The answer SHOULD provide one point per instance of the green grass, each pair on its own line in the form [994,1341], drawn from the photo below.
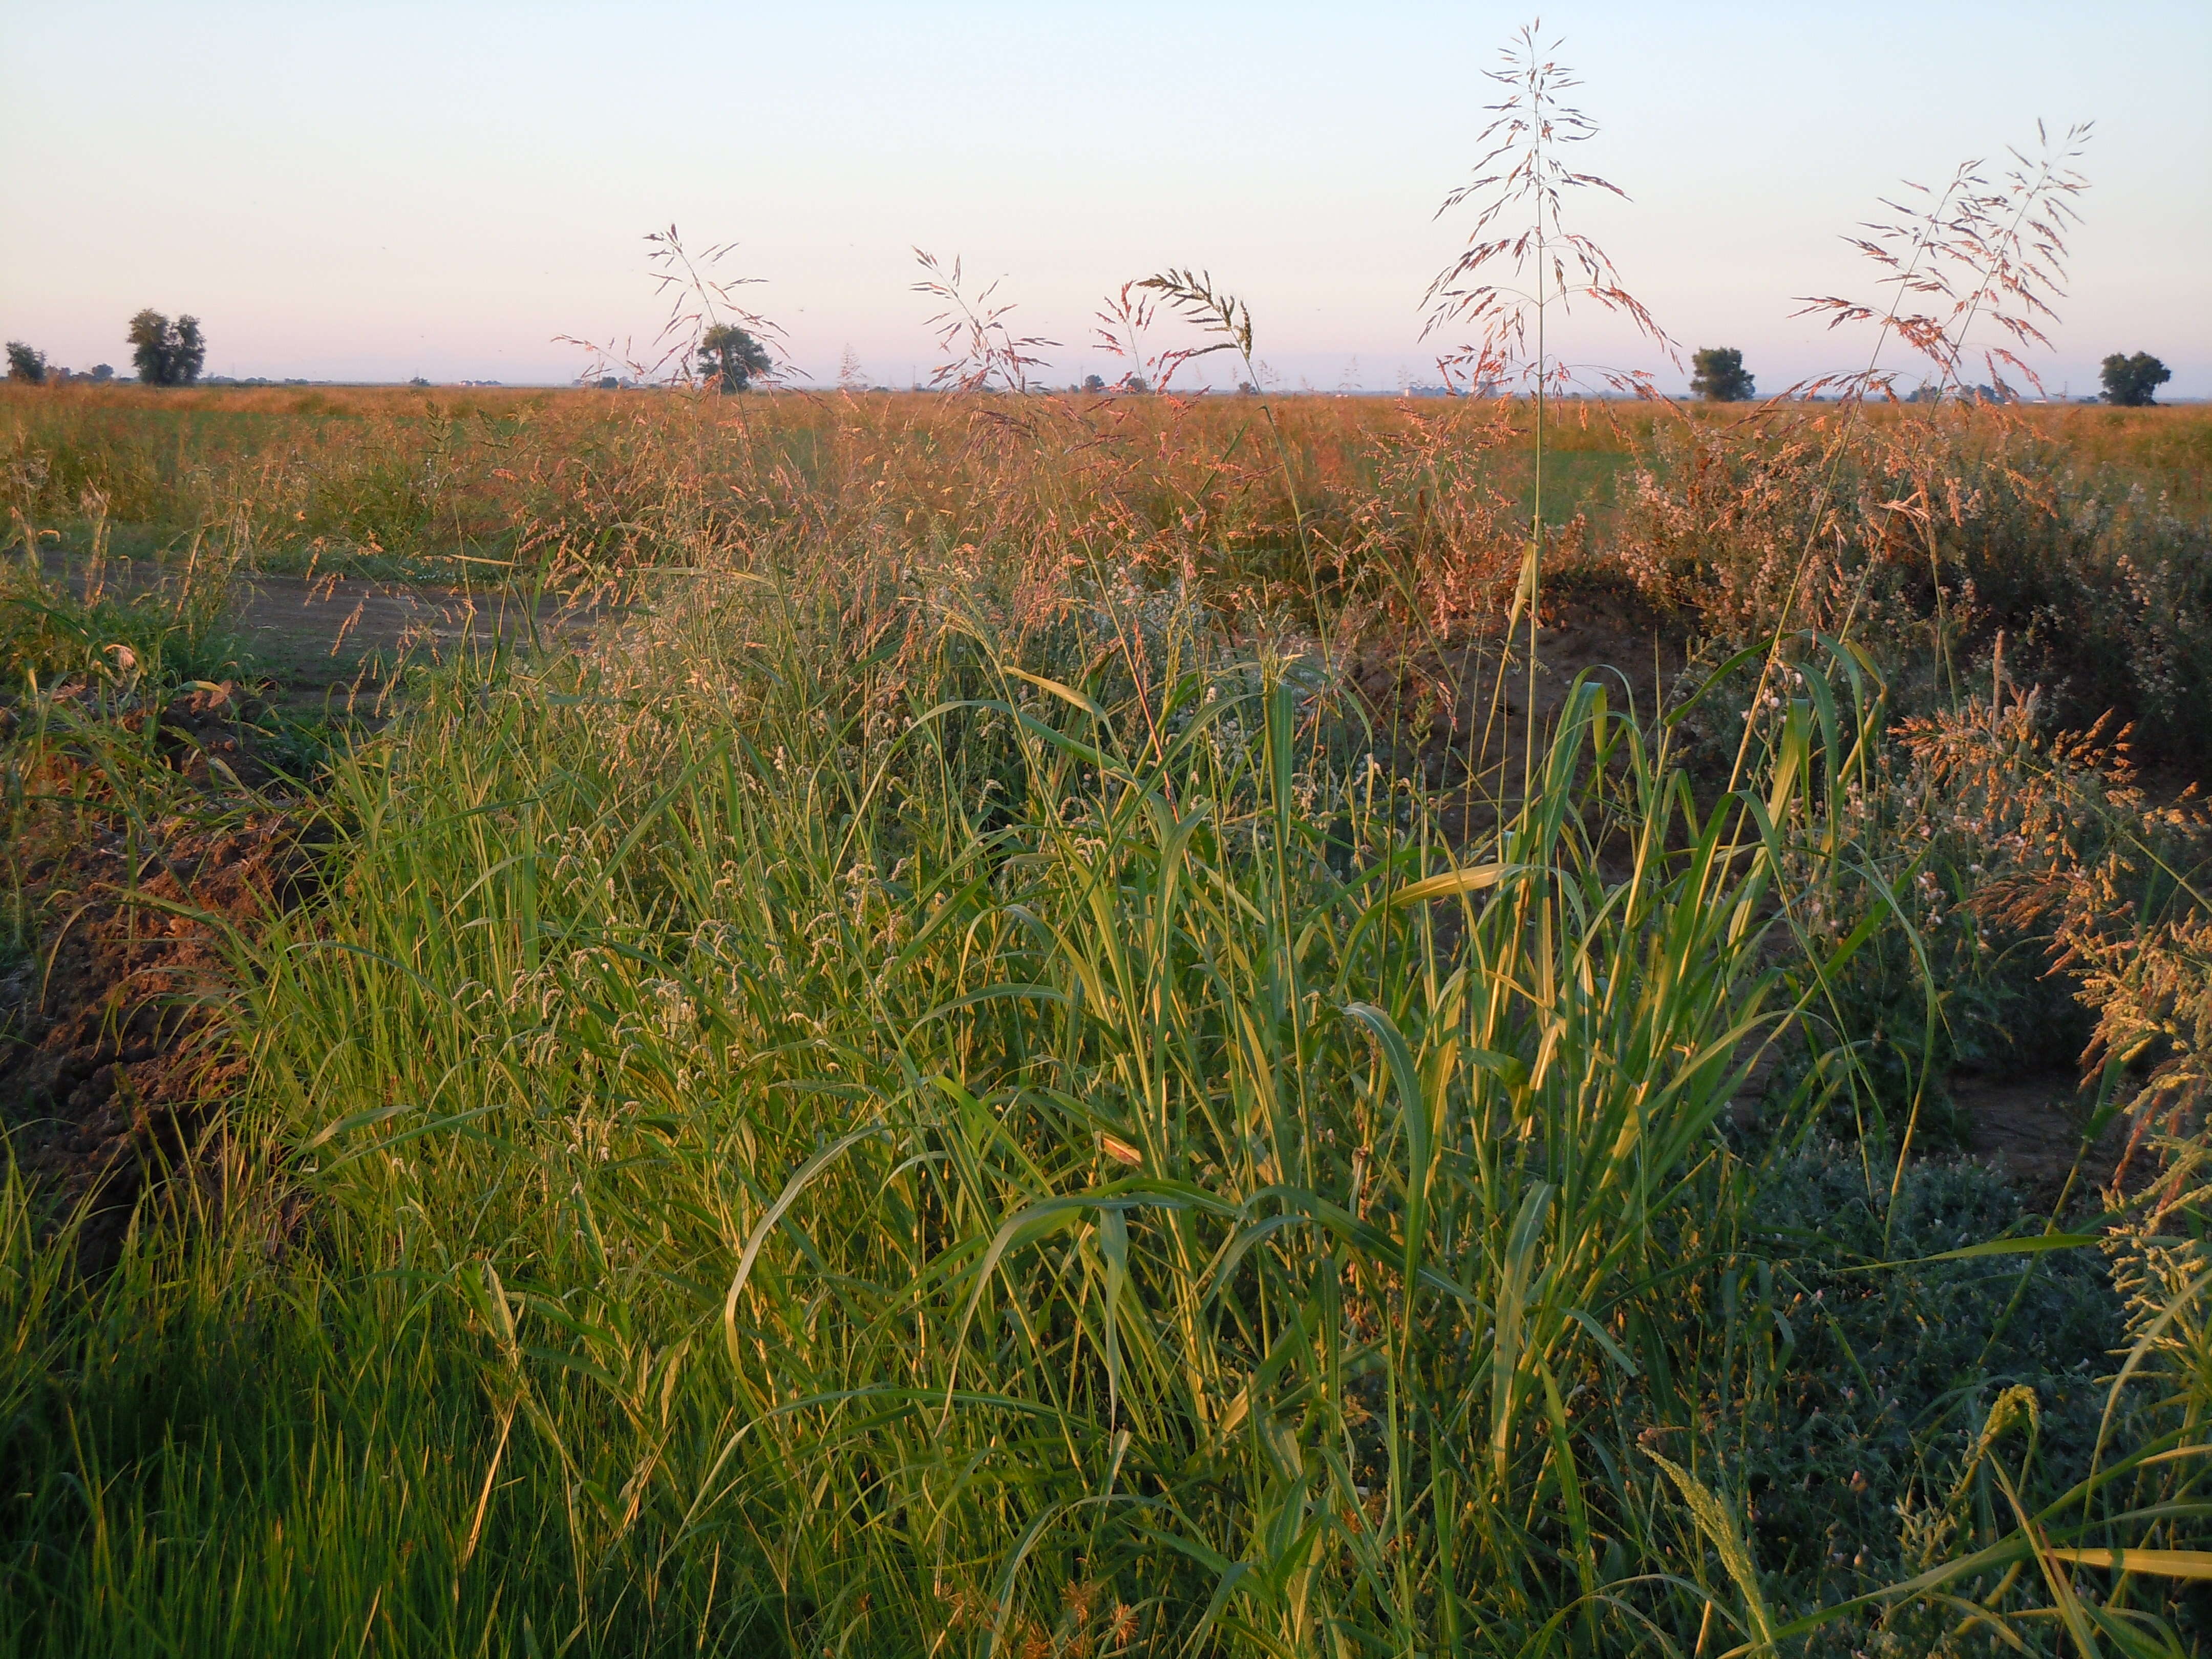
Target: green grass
[872,1112]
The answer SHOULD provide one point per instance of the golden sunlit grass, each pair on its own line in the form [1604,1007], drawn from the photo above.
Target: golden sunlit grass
[432,473]
[1373,524]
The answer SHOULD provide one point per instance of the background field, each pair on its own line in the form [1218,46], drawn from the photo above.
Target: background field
[346,471]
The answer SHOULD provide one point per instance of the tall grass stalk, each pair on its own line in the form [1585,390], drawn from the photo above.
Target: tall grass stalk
[1524,169]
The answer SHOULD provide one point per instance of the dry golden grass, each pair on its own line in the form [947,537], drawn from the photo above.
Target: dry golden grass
[527,476]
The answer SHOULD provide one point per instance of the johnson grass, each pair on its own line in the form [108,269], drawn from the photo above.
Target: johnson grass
[929,1091]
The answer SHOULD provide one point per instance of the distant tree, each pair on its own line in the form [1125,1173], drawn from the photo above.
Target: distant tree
[102,372]
[1136,383]
[167,352]
[191,350]
[729,357]
[1720,378]
[2128,381]
[418,380]
[26,365]
[1094,383]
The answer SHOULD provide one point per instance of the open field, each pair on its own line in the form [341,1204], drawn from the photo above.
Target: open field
[2073,531]
[350,473]
[1091,1026]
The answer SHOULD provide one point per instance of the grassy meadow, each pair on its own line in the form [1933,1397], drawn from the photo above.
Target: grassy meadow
[1093,1025]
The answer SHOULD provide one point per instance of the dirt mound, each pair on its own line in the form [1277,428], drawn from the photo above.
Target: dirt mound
[1468,705]
[207,736]
[2031,1127]
[111,1065]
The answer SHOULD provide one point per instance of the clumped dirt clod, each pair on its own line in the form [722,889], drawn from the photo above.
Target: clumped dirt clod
[112,1063]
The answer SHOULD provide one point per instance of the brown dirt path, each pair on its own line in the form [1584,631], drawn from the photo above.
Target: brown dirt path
[324,637]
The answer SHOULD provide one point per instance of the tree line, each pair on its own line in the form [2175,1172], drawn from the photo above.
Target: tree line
[729,359]
[165,352]
[1718,377]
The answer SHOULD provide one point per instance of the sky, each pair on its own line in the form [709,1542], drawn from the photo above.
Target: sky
[346,190]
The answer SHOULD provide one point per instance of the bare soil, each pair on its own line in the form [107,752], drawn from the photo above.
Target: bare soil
[1450,713]
[319,639]
[2031,1127]
[111,1069]
[331,637]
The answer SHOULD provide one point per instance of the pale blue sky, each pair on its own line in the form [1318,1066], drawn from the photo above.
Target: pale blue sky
[375,191]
